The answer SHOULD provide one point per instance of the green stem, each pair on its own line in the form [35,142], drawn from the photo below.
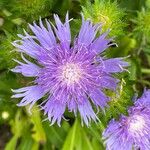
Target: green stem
[145,71]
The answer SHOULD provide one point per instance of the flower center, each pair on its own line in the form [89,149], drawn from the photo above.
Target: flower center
[136,124]
[71,73]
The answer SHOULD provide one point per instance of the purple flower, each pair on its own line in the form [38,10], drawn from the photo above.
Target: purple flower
[144,100]
[131,131]
[71,76]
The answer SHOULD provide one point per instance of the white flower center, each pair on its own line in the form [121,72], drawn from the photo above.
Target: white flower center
[71,73]
[136,124]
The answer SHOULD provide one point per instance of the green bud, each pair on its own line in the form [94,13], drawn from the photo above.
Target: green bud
[142,23]
[108,13]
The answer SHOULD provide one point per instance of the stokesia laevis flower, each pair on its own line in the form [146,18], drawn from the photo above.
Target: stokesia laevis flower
[133,131]
[72,76]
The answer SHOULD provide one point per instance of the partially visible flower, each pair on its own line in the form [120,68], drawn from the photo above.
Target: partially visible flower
[144,100]
[131,131]
[71,76]
[108,13]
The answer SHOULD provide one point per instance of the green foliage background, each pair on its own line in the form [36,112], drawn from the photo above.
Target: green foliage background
[21,131]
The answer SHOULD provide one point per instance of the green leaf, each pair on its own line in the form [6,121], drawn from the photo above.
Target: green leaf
[87,145]
[26,141]
[11,145]
[38,131]
[97,144]
[19,128]
[73,139]
[55,135]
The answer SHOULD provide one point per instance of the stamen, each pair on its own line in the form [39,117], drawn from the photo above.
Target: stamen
[136,124]
[71,73]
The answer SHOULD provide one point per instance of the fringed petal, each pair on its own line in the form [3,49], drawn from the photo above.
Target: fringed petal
[98,98]
[44,36]
[72,106]
[86,111]
[144,99]
[114,65]
[29,95]
[87,32]
[29,69]
[63,31]
[55,109]
[108,82]
[101,43]
[28,46]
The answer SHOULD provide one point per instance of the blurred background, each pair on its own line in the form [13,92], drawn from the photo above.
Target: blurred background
[129,21]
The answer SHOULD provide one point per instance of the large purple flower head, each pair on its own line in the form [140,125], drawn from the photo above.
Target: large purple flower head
[71,76]
[133,131]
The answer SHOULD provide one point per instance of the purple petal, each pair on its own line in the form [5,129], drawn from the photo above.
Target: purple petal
[30,95]
[44,36]
[100,44]
[63,31]
[144,99]
[28,46]
[114,65]
[87,32]
[108,82]
[72,105]
[28,70]
[115,138]
[99,98]
[54,109]
[86,111]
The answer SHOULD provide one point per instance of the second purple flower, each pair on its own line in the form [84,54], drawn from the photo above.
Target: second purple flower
[132,131]
[72,76]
